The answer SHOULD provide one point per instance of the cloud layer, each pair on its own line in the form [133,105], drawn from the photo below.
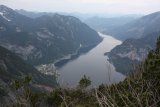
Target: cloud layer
[87,6]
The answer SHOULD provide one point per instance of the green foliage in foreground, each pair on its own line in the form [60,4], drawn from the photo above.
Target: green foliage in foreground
[139,90]
[84,82]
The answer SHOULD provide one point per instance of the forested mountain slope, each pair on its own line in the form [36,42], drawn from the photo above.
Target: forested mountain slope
[44,39]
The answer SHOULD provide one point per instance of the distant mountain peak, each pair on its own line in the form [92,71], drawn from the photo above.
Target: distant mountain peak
[5,9]
[138,28]
[155,13]
[6,13]
[152,15]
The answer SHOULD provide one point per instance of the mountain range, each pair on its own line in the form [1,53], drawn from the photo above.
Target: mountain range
[27,42]
[43,39]
[104,25]
[137,28]
[142,34]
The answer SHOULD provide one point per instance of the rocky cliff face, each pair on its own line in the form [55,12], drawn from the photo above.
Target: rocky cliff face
[13,67]
[142,34]
[131,52]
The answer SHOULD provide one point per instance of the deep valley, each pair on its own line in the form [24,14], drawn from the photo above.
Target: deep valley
[53,54]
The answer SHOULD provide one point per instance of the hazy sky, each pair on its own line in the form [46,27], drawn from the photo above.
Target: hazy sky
[87,6]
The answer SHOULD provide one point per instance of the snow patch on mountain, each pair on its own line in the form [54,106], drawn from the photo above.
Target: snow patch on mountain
[4,17]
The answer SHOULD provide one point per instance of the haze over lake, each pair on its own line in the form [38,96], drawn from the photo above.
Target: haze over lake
[92,64]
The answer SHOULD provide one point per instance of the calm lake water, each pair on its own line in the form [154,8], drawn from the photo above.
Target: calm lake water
[92,64]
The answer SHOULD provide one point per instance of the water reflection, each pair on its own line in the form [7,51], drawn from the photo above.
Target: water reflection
[93,64]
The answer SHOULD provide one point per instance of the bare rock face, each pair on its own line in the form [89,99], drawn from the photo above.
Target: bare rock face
[13,67]
[47,69]
[131,52]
